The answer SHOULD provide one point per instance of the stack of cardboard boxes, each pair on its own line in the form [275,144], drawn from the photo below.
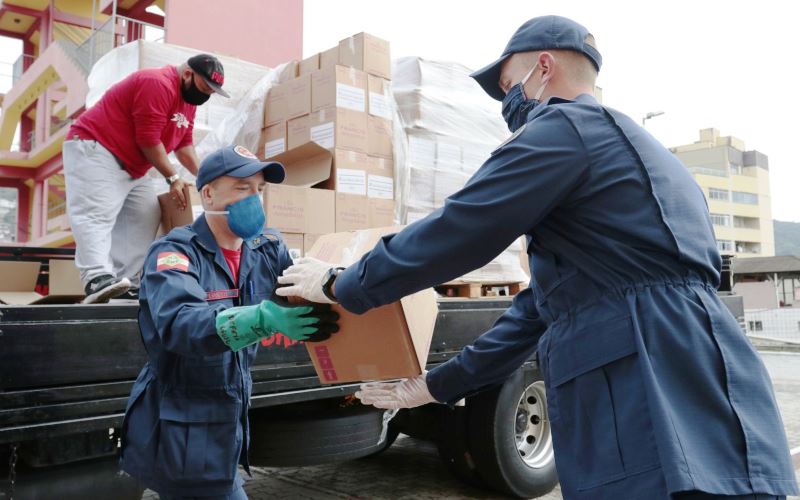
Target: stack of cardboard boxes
[338,100]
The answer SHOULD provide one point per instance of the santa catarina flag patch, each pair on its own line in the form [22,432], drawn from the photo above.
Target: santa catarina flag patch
[172,260]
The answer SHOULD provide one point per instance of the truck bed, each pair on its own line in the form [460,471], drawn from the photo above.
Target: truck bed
[68,369]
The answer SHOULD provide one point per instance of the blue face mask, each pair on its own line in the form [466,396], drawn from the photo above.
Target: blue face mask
[516,106]
[245,217]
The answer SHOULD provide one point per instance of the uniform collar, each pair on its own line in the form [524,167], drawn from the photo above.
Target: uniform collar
[204,235]
[553,100]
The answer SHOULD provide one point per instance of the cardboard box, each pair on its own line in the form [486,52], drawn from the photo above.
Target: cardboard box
[379,97]
[308,65]
[339,87]
[349,172]
[306,165]
[292,209]
[298,97]
[368,53]
[173,216]
[381,212]
[380,178]
[276,106]
[19,283]
[294,242]
[339,128]
[308,241]
[297,132]
[352,212]
[379,137]
[272,141]
[381,166]
[289,72]
[385,343]
[329,58]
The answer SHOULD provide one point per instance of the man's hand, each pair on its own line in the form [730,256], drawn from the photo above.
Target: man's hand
[409,393]
[239,327]
[312,323]
[176,192]
[305,280]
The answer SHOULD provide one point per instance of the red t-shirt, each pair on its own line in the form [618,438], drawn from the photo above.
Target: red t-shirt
[233,257]
[144,109]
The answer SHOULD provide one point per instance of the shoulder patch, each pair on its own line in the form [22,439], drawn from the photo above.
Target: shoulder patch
[172,260]
[513,136]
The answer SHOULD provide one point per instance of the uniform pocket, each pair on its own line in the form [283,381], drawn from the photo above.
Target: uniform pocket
[603,427]
[200,439]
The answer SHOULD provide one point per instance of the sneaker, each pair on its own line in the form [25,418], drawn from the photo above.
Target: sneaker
[129,297]
[104,287]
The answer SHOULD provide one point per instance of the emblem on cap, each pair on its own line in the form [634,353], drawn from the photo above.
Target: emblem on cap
[244,152]
[217,78]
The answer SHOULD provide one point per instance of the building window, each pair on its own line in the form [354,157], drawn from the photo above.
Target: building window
[747,198]
[725,245]
[719,194]
[8,214]
[721,219]
[756,326]
[746,222]
[736,169]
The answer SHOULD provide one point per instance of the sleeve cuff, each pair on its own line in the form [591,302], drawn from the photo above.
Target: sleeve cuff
[446,382]
[349,292]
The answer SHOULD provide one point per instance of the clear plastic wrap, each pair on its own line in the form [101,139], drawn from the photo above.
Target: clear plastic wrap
[445,129]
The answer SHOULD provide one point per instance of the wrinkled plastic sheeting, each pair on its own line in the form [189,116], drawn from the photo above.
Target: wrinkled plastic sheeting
[446,128]
[242,126]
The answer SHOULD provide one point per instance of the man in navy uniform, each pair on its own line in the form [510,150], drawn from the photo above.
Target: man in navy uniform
[205,303]
[653,390]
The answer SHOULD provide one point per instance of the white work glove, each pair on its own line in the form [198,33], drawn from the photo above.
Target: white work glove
[409,393]
[305,280]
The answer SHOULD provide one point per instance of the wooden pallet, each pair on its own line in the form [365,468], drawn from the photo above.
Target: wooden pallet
[477,290]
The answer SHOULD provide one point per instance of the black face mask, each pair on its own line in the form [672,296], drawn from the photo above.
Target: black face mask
[194,95]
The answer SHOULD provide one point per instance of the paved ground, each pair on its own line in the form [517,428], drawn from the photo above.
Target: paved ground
[411,468]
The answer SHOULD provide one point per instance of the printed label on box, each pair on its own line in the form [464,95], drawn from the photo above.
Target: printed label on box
[350,97]
[323,135]
[421,152]
[380,186]
[379,106]
[351,181]
[448,154]
[275,147]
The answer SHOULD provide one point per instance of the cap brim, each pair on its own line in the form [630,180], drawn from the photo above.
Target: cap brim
[273,171]
[216,88]
[489,78]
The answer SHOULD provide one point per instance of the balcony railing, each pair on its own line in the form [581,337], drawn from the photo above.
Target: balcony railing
[104,38]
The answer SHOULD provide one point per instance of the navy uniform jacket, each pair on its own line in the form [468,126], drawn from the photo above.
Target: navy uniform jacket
[652,386]
[186,426]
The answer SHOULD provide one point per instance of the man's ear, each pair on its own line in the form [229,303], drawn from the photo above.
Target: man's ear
[205,195]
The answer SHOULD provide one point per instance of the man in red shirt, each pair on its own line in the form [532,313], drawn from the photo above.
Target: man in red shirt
[111,203]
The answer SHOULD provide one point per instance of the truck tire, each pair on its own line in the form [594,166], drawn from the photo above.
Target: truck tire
[391,436]
[297,439]
[509,436]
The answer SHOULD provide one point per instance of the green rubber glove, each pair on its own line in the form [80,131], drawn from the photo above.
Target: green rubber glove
[239,327]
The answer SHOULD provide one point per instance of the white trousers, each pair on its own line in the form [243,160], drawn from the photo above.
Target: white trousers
[114,217]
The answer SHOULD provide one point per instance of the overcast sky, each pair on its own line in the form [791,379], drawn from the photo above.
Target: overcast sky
[731,65]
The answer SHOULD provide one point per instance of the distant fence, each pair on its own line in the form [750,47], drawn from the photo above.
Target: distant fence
[779,324]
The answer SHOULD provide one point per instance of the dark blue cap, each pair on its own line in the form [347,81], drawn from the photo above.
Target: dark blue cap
[540,33]
[237,161]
